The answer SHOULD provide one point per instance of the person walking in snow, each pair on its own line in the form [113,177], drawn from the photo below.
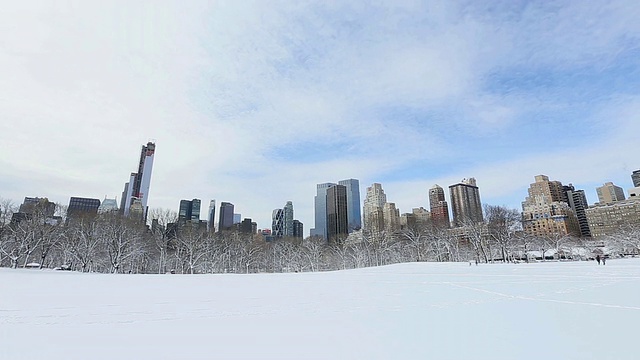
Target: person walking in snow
[603,260]
[598,259]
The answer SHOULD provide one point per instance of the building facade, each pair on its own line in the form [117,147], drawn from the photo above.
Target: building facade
[107,206]
[546,212]
[225,220]
[609,218]
[609,193]
[79,206]
[189,211]
[337,214]
[439,207]
[277,223]
[578,203]
[353,203]
[635,178]
[373,209]
[320,207]
[288,219]
[465,203]
[298,229]
[140,182]
[391,216]
[211,216]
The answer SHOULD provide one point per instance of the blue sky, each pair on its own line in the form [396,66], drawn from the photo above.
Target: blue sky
[255,102]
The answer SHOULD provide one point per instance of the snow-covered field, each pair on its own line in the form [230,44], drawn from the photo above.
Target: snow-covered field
[566,310]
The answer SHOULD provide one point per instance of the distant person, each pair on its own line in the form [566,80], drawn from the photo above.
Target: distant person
[598,259]
[604,259]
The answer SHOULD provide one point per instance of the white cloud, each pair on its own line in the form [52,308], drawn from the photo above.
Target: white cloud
[256,102]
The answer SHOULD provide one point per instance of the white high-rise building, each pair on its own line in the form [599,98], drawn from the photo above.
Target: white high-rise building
[373,208]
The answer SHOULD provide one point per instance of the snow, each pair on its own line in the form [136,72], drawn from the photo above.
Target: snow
[558,310]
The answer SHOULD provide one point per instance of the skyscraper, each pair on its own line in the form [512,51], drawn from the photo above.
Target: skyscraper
[609,193]
[465,203]
[288,219]
[320,202]
[578,203]
[391,217]
[337,219]
[353,203]
[277,223]
[140,182]
[189,211]
[79,207]
[212,216]
[373,209]
[439,207]
[225,221]
[298,229]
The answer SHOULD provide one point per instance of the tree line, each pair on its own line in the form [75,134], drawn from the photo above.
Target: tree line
[111,243]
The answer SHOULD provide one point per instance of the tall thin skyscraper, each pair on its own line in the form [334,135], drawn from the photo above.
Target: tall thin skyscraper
[439,207]
[288,219]
[140,182]
[578,203]
[353,203]
[212,216]
[298,229]
[225,221]
[337,219]
[320,202]
[465,203]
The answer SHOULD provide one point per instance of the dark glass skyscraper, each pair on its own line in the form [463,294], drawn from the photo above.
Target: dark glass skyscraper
[578,202]
[82,206]
[320,202]
[337,219]
[189,211]
[277,223]
[354,214]
[298,229]
[225,221]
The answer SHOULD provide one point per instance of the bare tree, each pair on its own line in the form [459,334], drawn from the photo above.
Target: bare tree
[161,234]
[191,246]
[314,249]
[121,238]
[416,236]
[503,225]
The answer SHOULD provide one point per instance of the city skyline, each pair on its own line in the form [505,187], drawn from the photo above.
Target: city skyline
[255,105]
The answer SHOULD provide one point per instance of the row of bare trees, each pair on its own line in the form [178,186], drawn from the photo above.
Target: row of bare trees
[114,244]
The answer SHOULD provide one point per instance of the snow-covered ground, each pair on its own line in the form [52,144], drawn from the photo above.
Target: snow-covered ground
[552,310]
